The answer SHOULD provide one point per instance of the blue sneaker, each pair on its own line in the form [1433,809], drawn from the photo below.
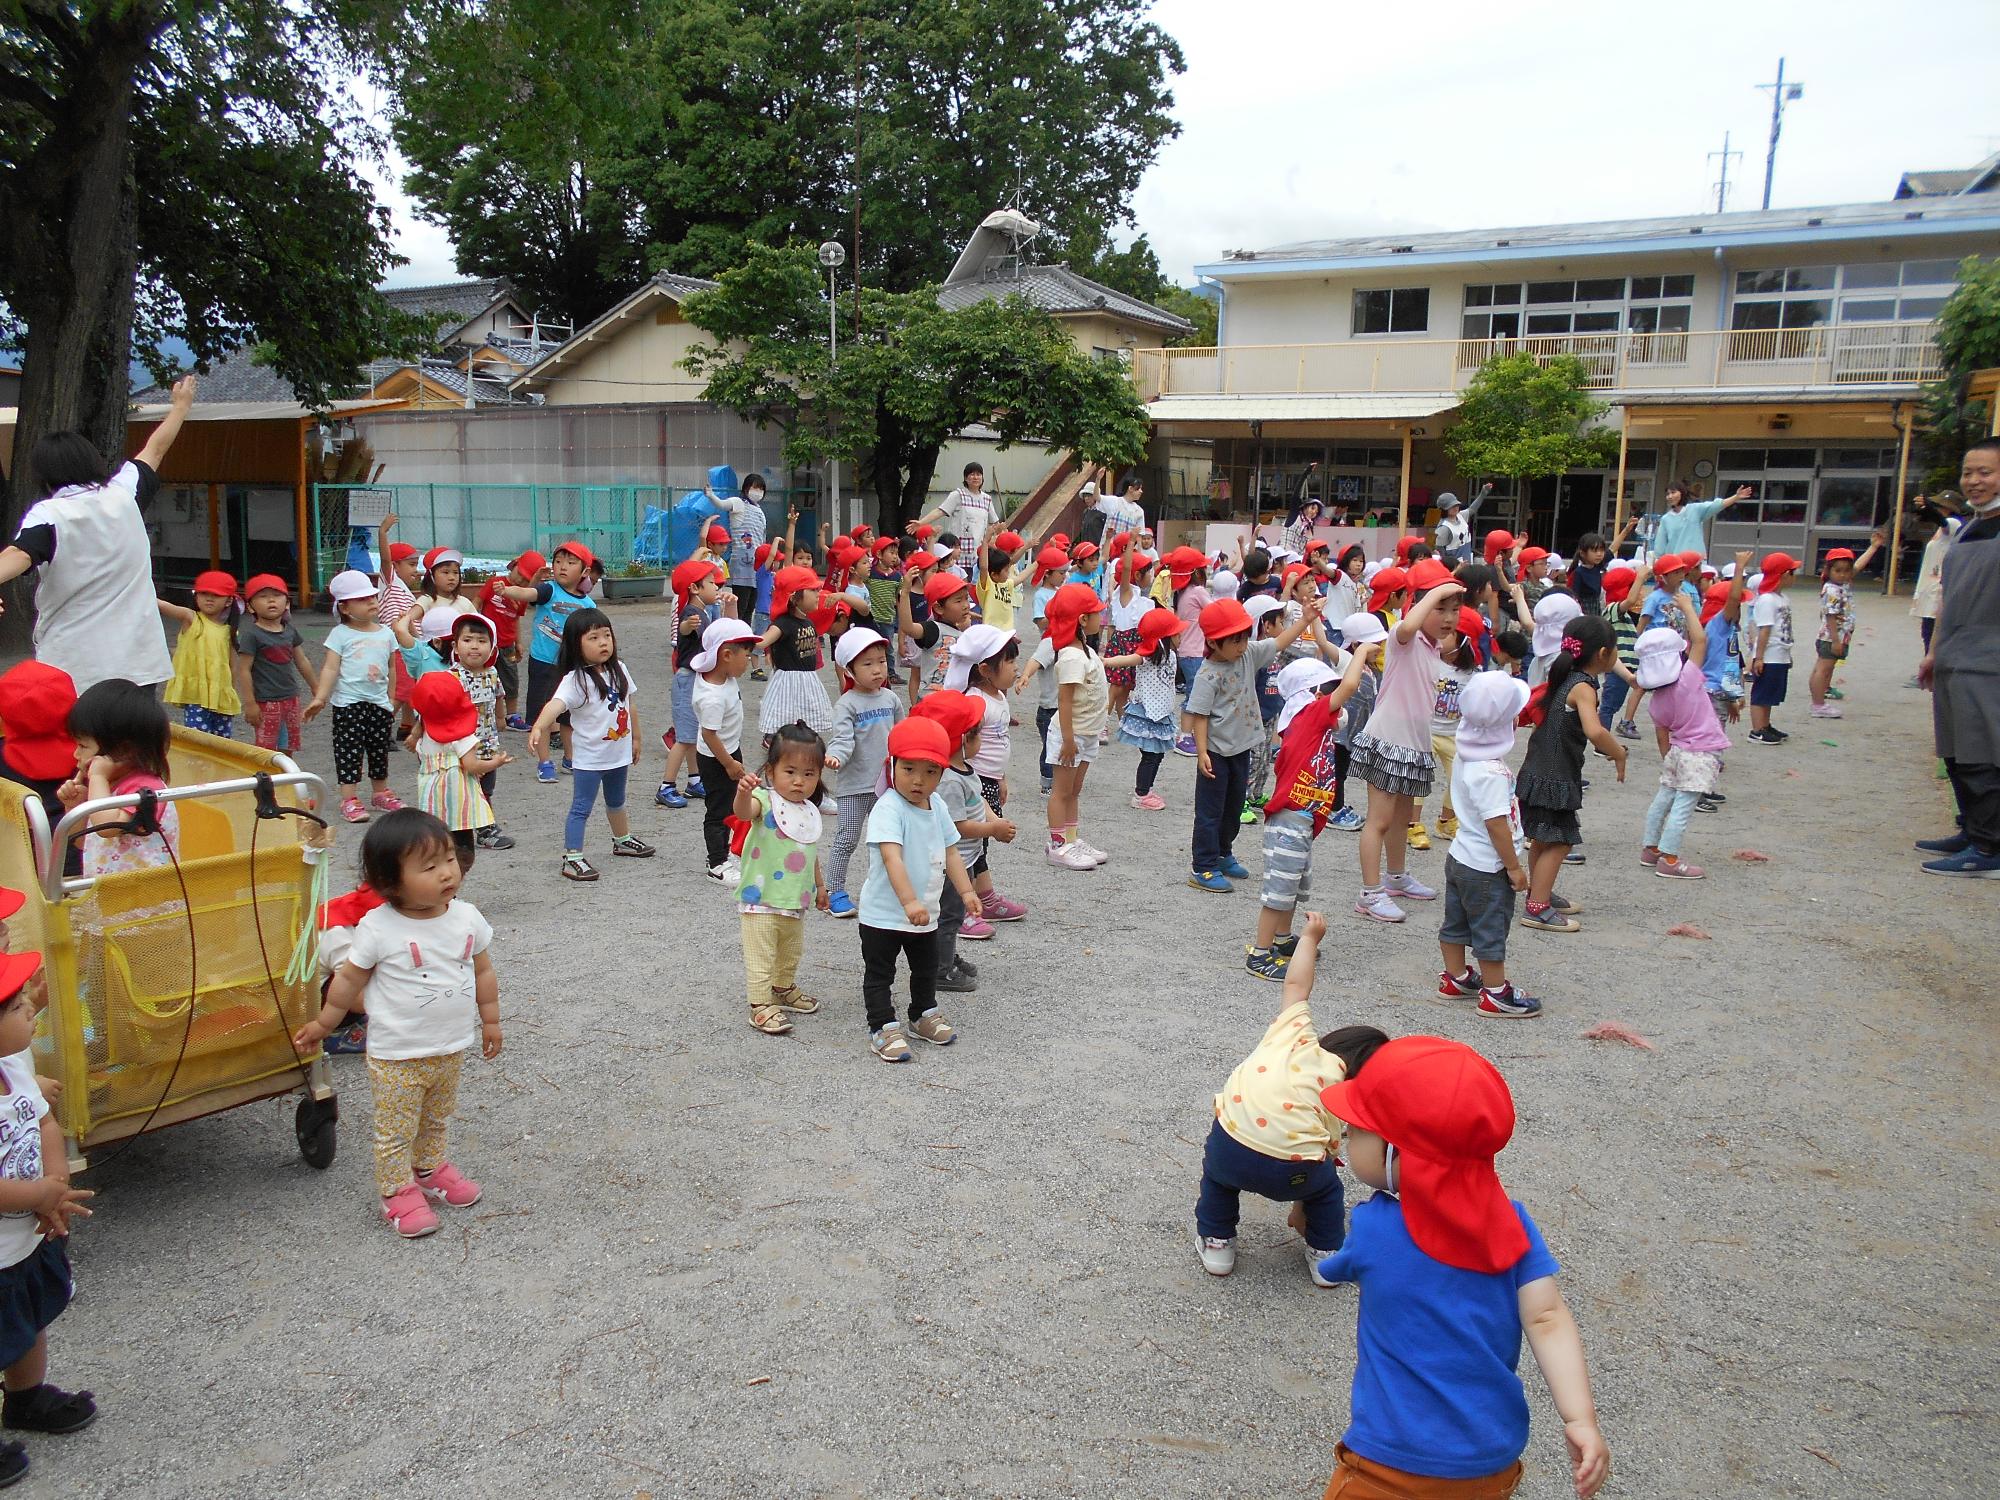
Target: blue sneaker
[348,1041]
[1970,863]
[669,795]
[1210,880]
[1234,868]
[516,723]
[567,768]
[1507,1004]
[842,905]
[1347,820]
[1951,843]
[545,770]
[695,789]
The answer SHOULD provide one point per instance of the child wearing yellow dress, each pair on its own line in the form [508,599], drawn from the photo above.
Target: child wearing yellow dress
[204,680]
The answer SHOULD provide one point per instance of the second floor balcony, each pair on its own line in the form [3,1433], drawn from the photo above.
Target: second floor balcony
[1883,355]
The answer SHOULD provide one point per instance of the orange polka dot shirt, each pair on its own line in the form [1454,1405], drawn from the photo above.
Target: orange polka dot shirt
[1271,1102]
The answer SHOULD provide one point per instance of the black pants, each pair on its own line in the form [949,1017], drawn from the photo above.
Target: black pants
[361,730]
[1043,717]
[508,663]
[879,947]
[951,917]
[1149,767]
[543,676]
[1340,759]
[718,796]
[746,600]
[1977,787]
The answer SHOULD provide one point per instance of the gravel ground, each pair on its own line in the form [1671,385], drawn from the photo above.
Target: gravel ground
[712,1263]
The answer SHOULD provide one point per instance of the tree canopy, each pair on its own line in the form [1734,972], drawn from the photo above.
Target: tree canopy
[917,375]
[1968,339]
[1526,418]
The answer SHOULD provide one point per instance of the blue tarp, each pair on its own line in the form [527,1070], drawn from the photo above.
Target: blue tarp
[691,514]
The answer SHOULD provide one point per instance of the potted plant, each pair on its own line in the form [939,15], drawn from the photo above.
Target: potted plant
[632,582]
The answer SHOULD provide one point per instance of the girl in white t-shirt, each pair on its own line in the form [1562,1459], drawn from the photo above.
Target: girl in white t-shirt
[596,691]
[419,965]
[984,663]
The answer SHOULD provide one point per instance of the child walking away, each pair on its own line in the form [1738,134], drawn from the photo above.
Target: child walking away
[1313,698]
[1451,1273]
[1482,869]
[983,663]
[912,852]
[862,718]
[269,650]
[718,710]
[451,761]
[779,811]
[796,694]
[1271,1135]
[1223,710]
[960,715]
[1083,700]
[419,966]
[474,642]
[1836,620]
[596,692]
[500,600]
[204,680]
[122,738]
[699,601]
[1458,660]
[1152,712]
[1669,668]
[356,679]
[1364,634]
[1770,666]
[1564,713]
[1393,754]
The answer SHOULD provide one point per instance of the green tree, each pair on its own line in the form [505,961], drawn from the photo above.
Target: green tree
[1527,418]
[1968,339]
[184,170]
[1204,312]
[916,376]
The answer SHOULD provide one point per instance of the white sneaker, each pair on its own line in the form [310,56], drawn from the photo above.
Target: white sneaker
[1313,1258]
[1377,907]
[1096,855]
[1218,1257]
[729,872]
[1070,857]
[1410,888]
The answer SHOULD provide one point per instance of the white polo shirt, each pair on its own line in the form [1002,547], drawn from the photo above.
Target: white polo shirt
[96,614]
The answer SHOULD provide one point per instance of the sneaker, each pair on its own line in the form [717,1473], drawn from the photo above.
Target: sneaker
[888,1043]
[1047,787]
[1707,805]
[386,802]
[493,838]
[1150,802]
[1091,852]
[1563,904]
[1575,857]
[1184,745]
[354,811]
[1347,820]
[796,1000]
[1448,826]
[1825,711]
[932,1027]
[567,768]
[840,904]
[953,981]
[1508,1005]
[1669,868]
[1069,857]
[965,966]
[1969,864]
[1210,880]
[446,1184]
[1218,1257]
[1625,729]
[576,867]
[409,1213]
[729,872]
[1458,986]
[975,929]
[350,1040]
[1951,843]
[669,795]
[516,723]
[999,909]
[1409,887]
[1267,965]
[1313,1258]
[1762,737]
[696,791]
[1550,919]
[1285,945]
[1418,836]
[633,848]
[1234,868]
[1835,694]
[1780,735]
[1377,907]
[1716,797]
[1649,857]
[1248,816]
[545,770]
[771,1020]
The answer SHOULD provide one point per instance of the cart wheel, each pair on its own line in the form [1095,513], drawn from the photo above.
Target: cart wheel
[315,1125]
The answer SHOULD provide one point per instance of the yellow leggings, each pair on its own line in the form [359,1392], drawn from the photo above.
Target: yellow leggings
[414,1100]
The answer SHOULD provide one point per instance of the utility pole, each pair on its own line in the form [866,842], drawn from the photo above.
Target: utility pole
[831,255]
[1782,93]
[1722,182]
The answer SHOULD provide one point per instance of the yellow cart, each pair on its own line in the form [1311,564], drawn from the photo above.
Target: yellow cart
[165,1007]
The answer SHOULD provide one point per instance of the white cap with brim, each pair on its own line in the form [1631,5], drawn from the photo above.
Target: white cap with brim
[722,633]
[1368,573]
[1552,614]
[1261,605]
[976,644]
[1660,651]
[855,640]
[438,622]
[1362,629]
[351,584]
[1225,584]
[1488,706]
[1298,682]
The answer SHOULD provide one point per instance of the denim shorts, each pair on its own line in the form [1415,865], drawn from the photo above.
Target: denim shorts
[1478,910]
[687,728]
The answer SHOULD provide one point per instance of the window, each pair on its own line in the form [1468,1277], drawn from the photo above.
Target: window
[1404,310]
[1654,288]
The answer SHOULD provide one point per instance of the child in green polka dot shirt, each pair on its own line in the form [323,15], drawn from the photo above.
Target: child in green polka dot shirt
[778,811]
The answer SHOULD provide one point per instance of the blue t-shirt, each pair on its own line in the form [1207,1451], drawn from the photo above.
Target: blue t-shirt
[1270,702]
[926,834]
[1659,609]
[420,659]
[1435,1385]
[554,605]
[364,664]
[1722,666]
[765,579]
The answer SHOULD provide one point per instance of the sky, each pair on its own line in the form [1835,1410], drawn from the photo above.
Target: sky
[1308,119]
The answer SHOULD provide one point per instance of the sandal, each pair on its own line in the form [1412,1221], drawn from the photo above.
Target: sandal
[632,847]
[769,1019]
[576,867]
[792,998]
[46,1408]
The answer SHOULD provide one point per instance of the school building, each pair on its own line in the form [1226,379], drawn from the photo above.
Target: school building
[1781,349]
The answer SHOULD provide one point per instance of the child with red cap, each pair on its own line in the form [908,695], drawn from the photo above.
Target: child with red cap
[401,577]
[36,750]
[500,600]
[766,561]
[1625,593]
[1051,573]
[204,683]
[269,651]
[885,580]
[962,717]
[949,600]
[555,598]
[796,694]
[1083,703]
[1187,577]
[1452,1273]
[699,601]
[912,852]
[1770,664]
[1836,620]
[1152,710]
[451,762]
[1458,660]
[1000,582]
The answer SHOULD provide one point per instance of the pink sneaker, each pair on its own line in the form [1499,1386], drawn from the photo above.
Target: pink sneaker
[408,1214]
[386,802]
[353,811]
[976,929]
[1151,802]
[1000,909]
[1649,856]
[446,1184]
[1678,869]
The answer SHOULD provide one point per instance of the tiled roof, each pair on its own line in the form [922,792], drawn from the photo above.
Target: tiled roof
[1058,289]
[458,300]
[234,377]
[661,284]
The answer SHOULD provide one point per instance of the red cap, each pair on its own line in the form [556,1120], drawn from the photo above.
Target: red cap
[1222,619]
[858,532]
[1471,623]
[1404,544]
[883,544]
[11,901]
[1048,560]
[924,533]
[1060,539]
[1388,581]
[1083,552]
[941,586]
[789,581]
[1292,574]
[1067,607]
[1618,583]
[1533,555]
[1838,554]
[1427,575]
[266,581]
[763,553]
[1713,599]
[16,969]
[440,700]
[1132,564]
[401,551]
[1318,544]
[529,563]
[215,581]
[1775,567]
[954,712]
[1448,1112]
[690,573]
[920,739]
[1157,625]
[35,700]
[1010,541]
[442,555]
[1498,542]
[716,536]
[580,552]
[842,552]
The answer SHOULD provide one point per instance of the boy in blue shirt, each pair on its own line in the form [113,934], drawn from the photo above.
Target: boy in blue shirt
[554,600]
[1452,1273]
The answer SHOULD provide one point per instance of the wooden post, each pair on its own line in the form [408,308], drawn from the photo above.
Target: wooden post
[1403,489]
[214,524]
[305,543]
[1618,515]
[1896,525]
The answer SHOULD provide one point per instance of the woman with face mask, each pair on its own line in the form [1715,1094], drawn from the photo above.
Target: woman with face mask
[747,527]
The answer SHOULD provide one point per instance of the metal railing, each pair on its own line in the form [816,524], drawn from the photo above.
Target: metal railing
[1843,354]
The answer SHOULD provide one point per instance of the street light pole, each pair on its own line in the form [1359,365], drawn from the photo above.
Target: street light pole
[832,255]
[1781,94]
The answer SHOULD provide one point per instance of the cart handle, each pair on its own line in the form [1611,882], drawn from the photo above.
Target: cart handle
[75,821]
